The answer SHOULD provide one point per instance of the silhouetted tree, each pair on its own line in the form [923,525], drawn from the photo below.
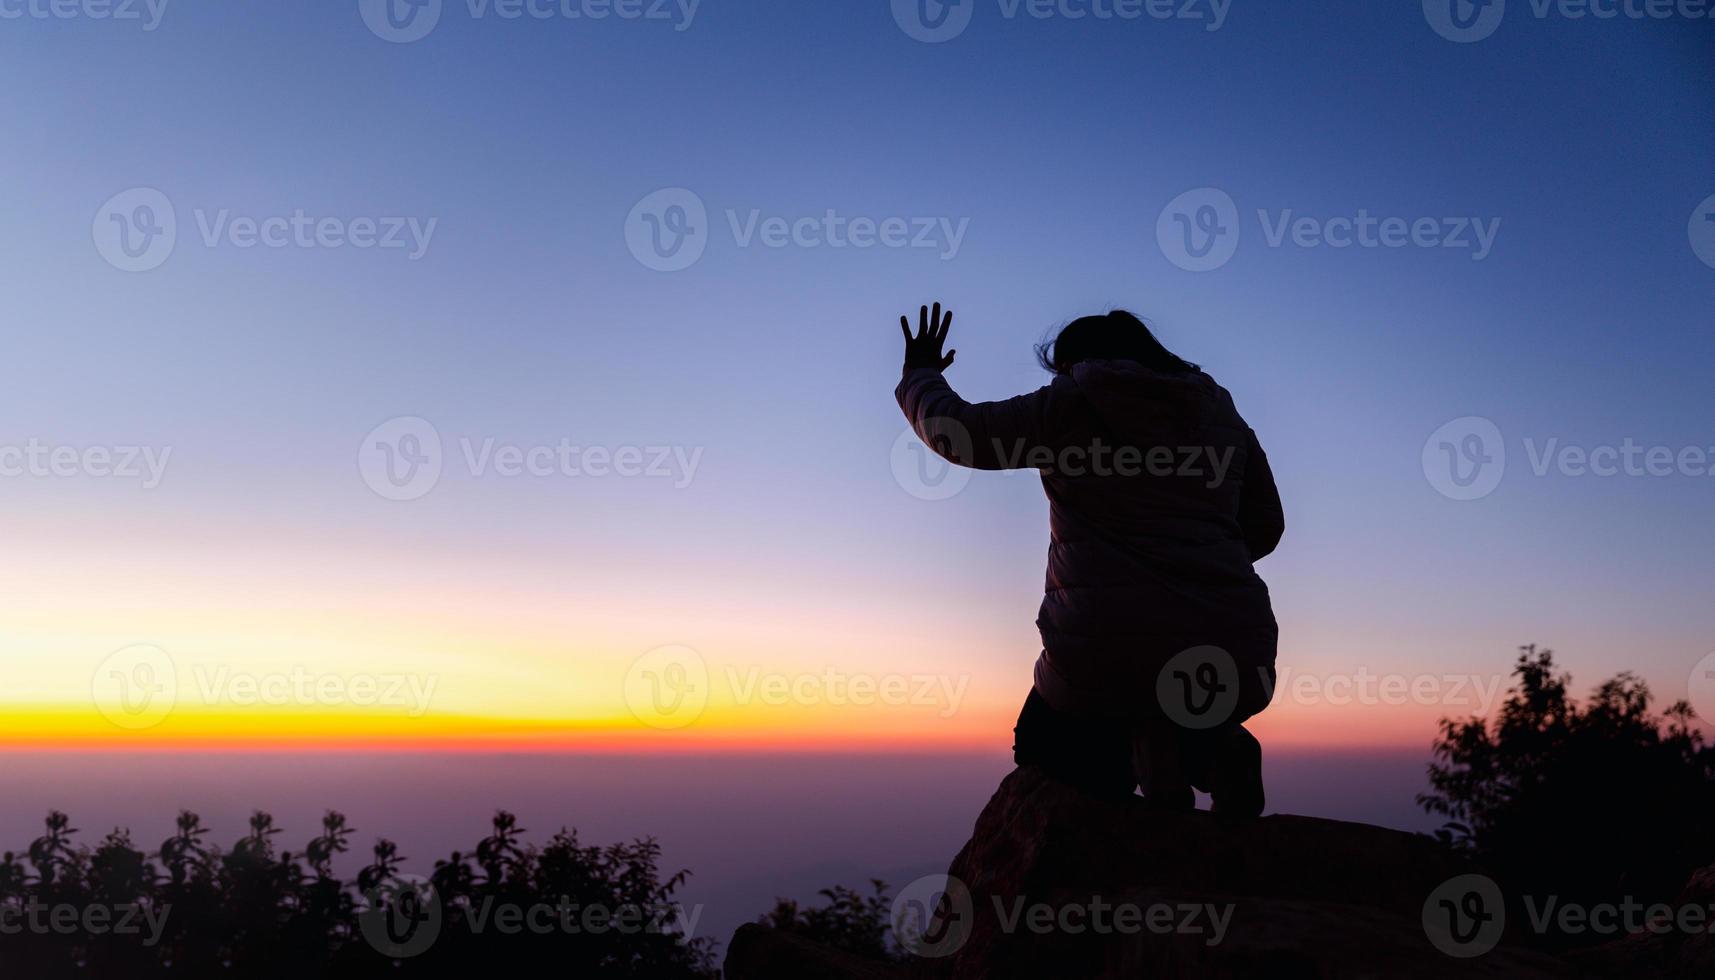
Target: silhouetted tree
[1591,803]
[259,912]
[850,920]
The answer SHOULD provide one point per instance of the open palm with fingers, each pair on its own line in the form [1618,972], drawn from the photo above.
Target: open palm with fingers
[924,350]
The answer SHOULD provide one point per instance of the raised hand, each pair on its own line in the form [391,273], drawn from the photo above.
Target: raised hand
[924,350]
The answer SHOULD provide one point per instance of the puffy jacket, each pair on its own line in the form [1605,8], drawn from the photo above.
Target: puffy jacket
[1160,499]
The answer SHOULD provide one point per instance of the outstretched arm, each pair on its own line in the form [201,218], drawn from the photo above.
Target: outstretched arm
[985,436]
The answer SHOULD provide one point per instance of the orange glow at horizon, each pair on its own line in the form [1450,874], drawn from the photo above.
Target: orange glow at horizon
[986,729]
[510,655]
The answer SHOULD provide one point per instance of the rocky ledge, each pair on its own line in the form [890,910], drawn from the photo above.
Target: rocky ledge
[1055,884]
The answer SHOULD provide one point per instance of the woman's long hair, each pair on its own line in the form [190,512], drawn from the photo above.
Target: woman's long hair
[1115,336]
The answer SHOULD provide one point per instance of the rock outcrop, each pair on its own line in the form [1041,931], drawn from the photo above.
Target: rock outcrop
[1055,884]
[1680,954]
[1277,896]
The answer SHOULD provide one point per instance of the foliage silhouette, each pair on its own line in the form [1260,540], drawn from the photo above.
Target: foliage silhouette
[851,920]
[1591,804]
[192,910]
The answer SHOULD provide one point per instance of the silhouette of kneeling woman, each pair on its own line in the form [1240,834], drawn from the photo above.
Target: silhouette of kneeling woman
[1158,638]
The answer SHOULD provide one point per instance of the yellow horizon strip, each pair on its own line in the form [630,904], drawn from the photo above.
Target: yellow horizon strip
[81,727]
[39,727]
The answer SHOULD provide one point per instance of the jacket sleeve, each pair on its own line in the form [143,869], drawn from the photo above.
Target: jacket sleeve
[1260,515]
[1005,435]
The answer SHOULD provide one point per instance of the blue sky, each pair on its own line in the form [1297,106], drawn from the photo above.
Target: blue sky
[1055,143]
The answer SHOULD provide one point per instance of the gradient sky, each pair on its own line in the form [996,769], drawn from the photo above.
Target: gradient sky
[793,550]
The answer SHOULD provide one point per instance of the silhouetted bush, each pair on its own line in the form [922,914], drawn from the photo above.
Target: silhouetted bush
[850,920]
[192,910]
[1590,804]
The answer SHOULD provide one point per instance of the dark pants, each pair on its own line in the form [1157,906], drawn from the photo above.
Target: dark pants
[1090,754]
[1107,757]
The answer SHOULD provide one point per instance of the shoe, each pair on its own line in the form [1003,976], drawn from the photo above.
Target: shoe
[1235,775]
